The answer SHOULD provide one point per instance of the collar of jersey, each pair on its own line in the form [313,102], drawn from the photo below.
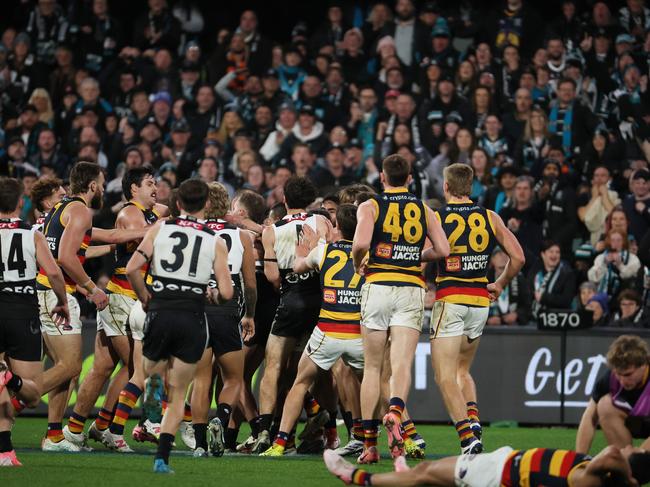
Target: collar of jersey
[396,190]
[460,202]
[138,205]
[188,217]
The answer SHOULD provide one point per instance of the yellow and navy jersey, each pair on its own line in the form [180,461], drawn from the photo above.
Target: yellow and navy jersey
[462,276]
[397,239]
[541,466]
[119,284]
[340,312]
[53,228]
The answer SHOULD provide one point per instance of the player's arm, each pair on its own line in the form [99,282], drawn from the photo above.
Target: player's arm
[95,251]
[45,260]
[140,257]
[611,462]
[117,235]
[363,234]
[250,286]
[161,210]
[587,428]
[221,272]
[510,245]
[308,258]
[79,220]
[438,238]
[271,269]
[324,228]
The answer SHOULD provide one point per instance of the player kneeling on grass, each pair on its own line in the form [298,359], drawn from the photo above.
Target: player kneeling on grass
[338,332]
[620,401]
[184,253]
[505,467]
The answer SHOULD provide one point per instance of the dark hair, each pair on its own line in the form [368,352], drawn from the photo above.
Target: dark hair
[396,169]
[346,220]
[254,204]
[299,192]
[11,190]
[640,465]
[548,243]
[173,207]
[321,212]
[192,195]
[363,197]
[134,176]
[333,198]
[43,188]
[629,295]
[83,173]
[561,81]
[349,193]
[279,210]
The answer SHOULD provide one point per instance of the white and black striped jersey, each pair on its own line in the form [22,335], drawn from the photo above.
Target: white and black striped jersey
[18,267]
[181,264]
[232,237]
[287,235]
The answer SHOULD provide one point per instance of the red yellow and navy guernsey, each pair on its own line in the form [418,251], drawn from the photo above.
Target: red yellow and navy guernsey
[397,239]
[340,312]
[53,228]
[541,466]
[462,276]
[119,284]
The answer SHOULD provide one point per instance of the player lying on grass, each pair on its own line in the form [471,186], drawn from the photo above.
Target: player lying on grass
[509,468]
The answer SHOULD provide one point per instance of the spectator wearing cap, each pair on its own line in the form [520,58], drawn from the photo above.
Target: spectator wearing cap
[157,28]
[258,46]
[46,27]
[331,31]
[552,281]
[309,131]
[409,33]
[442,52]
[635,18]
[446,101]
[100,37]
[29,126]
[48,153]
[272,95]
[637,204]
[161,110]
[178,151]
[517,23]
[14,162]
[190,80]
[533,145]
[586,89]
[598,304]
[598,203]
[558,201]
[333,175]
[599,58]
[283,127]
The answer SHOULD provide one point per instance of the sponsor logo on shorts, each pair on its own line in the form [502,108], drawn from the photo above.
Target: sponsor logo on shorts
[329,296]
[384,250]
[452,264]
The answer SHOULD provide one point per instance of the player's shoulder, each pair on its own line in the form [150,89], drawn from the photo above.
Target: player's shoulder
[189,224]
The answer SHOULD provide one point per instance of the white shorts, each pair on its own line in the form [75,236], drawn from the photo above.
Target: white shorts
[483,470]
[452,320]
[113,318]
[47,300]
[386,306]
[136,321]
[326,350]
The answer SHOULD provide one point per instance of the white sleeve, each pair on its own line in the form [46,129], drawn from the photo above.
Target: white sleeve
[315,257]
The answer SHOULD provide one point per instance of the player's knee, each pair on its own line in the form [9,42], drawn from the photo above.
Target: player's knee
[606,409]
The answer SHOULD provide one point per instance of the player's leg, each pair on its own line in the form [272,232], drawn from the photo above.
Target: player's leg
[612,422]
[231,365]
[467,385]
[277,353]
[247,408]
[200,401]
[7,452]
[26,381]
[22,343]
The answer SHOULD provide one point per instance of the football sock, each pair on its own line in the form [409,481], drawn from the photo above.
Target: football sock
[465,433]
[223,413]
[361,477]
[55,432]
[265,422]
[331,423]
[472,413]
[311,405]
[15,383]
[18,404]
[200,430]
[76,423]
[187,415]
[255,426]
[230,438]
[357,430]
[349,422]
[411,432]
[370,430]
[128,398]
[281,439]
[164,446]
[396,406]
[275,427]
[103,419]
[5,441]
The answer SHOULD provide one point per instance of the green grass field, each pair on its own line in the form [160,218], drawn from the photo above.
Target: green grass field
[103,468]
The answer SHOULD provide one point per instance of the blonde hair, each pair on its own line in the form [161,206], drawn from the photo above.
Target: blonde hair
[628,351]
[459,178]
[48,115]
[528,130]
[219,200]
[223,133]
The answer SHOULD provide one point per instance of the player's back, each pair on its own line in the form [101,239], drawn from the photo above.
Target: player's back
[398,237]
[182,264]
[232,238]
[19,269]
[462,276]
[541,466]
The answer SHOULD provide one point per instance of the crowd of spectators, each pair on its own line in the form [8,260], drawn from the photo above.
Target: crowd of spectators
[554,117]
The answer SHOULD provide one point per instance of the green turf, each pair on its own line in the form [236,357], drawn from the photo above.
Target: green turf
[103,468]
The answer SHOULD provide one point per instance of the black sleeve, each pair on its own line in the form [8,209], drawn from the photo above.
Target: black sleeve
[562,299]
[602,386]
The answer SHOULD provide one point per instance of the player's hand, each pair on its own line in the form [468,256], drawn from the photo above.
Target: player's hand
[247,329]
[363,267]
[99,298]
[145,301]
[60,314]
[494,290]
[309,237]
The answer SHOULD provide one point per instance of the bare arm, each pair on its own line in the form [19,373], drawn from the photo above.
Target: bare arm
[95,251]
[137,260]
[250,286]
[587,428]
[363,234]
[46,261]
[510,245]
[161,210]
[117,235]
[611,461]
[271,269]
[221,272]
[437,237]
[324,228]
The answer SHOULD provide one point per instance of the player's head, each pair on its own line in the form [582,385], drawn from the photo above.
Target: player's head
[276,212]
[639,461]
[299,193]
[349,193]
[330,204]
[249,204]
[47,192]
[219,201]
[628,357]
[192,196]
[346,220]
[396,171]
[458,180]
[139,184]
[87,178]
[174,210]
[11,190]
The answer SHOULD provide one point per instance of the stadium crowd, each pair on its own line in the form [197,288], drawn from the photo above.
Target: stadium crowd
[552,116]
